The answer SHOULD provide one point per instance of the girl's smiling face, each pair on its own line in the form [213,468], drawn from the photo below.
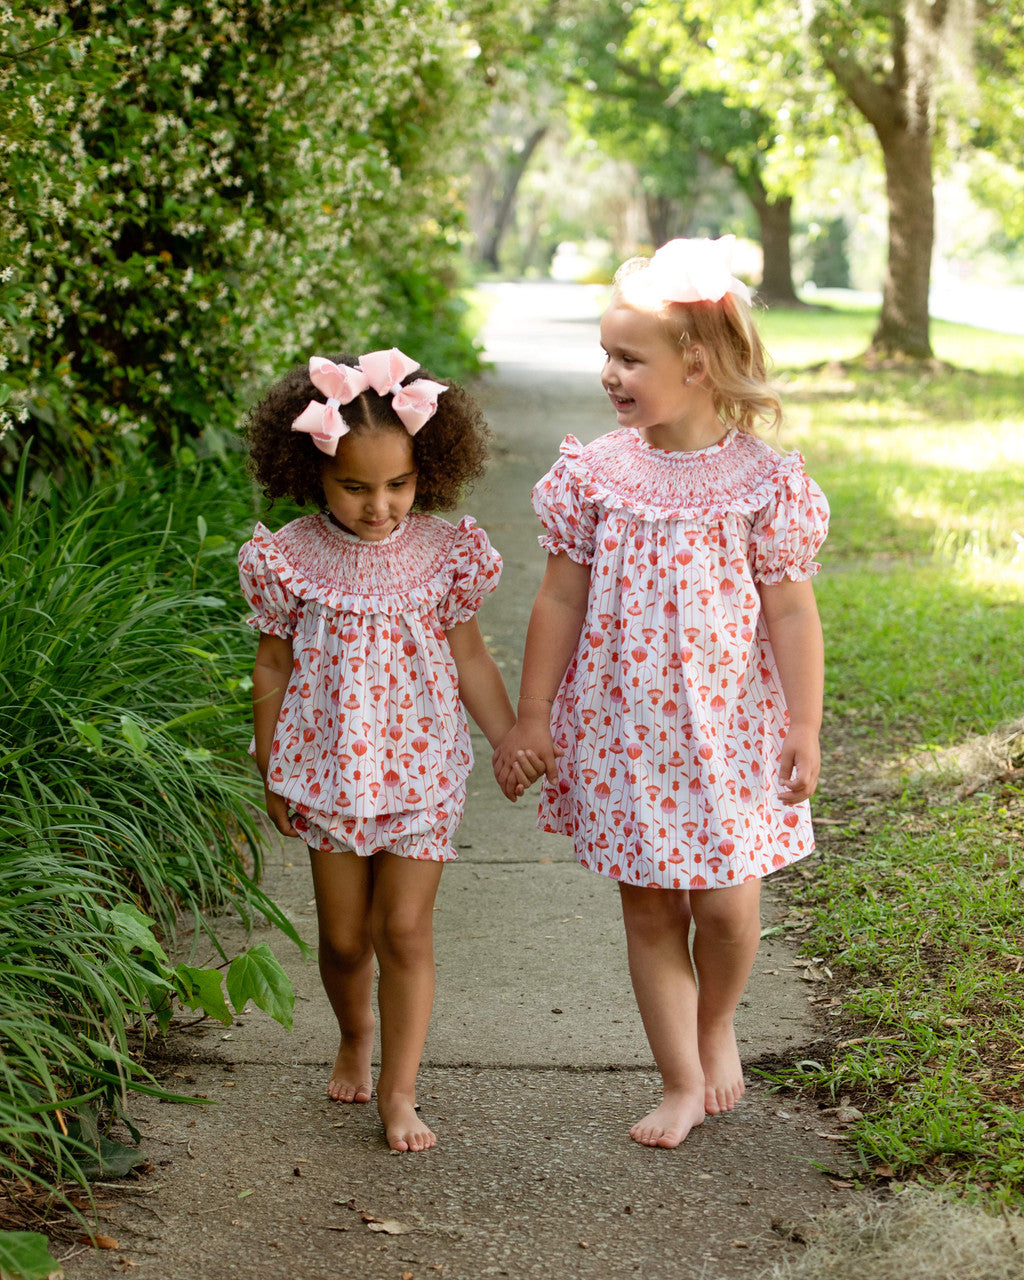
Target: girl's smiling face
[644,372]
[370,483]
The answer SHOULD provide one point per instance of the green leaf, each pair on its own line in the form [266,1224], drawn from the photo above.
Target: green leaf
[201,526]
[256,975]
[89,734]
[137,929]
[203,989]
[5,393]
[133,735]
[24,1255]
[105,1157]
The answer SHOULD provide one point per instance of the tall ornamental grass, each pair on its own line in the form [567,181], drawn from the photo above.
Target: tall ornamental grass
[125,798]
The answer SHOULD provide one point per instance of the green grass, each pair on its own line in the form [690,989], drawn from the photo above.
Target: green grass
[124,787]
[917,914]
[915,900]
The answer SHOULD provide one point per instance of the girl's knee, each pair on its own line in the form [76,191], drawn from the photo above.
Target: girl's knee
[730,914]
[403,935]
[343,952]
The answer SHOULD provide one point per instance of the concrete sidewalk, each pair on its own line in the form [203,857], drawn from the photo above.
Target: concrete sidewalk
[536,1063]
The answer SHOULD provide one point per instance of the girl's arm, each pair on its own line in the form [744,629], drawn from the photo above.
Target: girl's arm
[481,687]
[551,639]
[270,676]
[794,630]
[484,695]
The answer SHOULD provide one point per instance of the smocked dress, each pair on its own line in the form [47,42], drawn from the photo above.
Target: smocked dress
[671,714]
[372,748]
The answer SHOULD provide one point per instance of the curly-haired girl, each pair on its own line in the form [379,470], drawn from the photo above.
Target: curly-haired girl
[369,651]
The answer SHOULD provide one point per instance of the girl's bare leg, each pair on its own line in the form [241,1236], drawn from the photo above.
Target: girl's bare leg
[657,937]
[343,884]
[402,926]
[727,931]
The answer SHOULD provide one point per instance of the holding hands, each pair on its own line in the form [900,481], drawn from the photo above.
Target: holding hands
[527,751]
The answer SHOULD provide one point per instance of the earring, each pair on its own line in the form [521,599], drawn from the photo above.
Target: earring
[686,382]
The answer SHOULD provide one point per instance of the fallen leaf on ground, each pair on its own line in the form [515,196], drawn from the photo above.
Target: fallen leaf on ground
[390,1227]
[100,1242]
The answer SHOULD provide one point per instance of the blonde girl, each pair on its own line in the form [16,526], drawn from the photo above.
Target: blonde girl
[672,678]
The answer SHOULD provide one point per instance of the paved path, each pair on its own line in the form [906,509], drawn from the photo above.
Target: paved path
[536,1063]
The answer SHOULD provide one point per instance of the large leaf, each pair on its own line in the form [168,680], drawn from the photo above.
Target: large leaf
[256,975]
[24,1256]
[137,928]
[202,989]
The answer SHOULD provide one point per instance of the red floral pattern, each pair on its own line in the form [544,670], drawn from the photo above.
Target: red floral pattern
[671,714]
[372,734]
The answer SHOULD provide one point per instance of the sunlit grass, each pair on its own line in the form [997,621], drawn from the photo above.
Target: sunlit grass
[916,897]
[923,929]
[916,462]
[840,331]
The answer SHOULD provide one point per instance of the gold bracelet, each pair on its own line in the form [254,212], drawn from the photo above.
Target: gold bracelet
[525,697]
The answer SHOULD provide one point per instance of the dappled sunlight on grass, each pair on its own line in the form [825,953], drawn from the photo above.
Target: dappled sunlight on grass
[819,334]
[910,466]
[916,895]
[920,654]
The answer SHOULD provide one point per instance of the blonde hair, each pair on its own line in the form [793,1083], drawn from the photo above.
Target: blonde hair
[735,362]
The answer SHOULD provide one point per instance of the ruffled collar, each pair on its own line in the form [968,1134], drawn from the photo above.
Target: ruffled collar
[316,560]
[739,473]
[353,539]
[683,455]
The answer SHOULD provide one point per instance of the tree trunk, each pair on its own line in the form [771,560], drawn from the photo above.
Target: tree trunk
[660,211]
[898,108]
[489,251]
[903,325]
[776,222]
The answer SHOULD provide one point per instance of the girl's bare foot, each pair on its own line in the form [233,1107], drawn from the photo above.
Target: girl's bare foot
[668,1124]
[403,1128]
[723,1074]
[351,1080]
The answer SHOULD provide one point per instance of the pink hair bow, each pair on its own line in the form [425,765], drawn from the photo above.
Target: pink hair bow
[416,403]
[340,383]
[694,271]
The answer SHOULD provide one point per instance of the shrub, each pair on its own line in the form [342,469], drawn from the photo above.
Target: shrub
[193,196]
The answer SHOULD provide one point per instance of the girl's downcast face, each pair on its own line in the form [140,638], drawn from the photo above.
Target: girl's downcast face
[370,483]
[644,373]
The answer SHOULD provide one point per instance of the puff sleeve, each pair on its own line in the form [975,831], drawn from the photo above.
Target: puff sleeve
[787,532]
[274,606]
[559,501]
[477,568]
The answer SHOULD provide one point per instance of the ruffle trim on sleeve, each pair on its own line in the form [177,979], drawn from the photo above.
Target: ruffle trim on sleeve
[569,519]
[410,570]
[477,571]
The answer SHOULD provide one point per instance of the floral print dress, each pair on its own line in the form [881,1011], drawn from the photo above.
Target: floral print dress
[671,714]
[372,746]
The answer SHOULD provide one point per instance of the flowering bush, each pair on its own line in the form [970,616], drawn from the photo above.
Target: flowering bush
[194,196]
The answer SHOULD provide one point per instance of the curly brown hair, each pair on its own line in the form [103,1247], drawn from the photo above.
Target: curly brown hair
[449,452]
